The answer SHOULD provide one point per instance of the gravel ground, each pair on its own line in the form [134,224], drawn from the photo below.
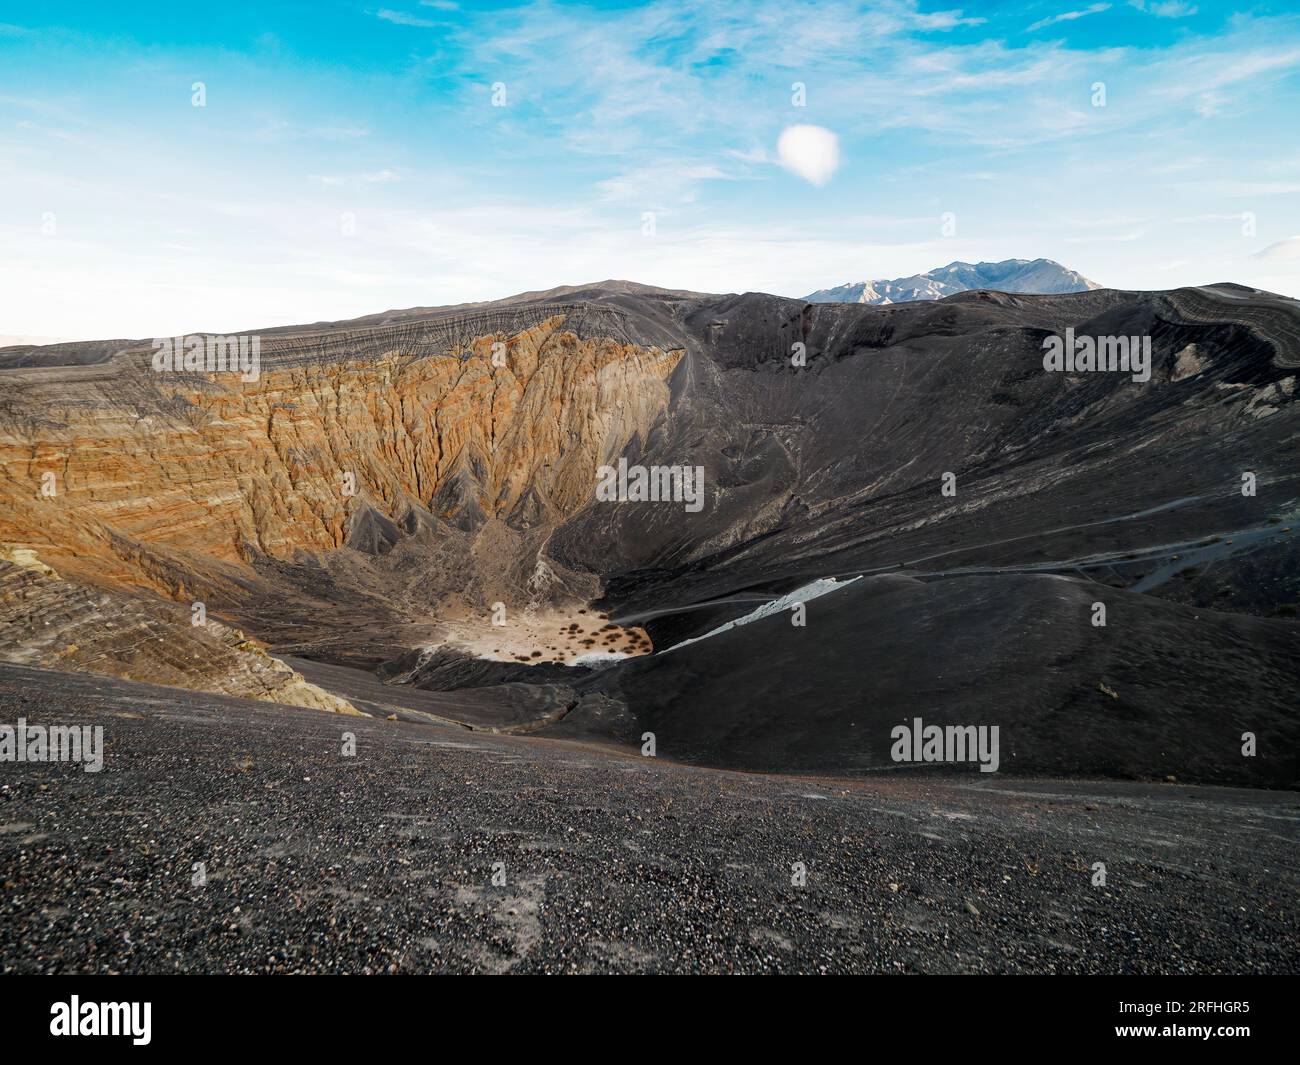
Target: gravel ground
[384,861]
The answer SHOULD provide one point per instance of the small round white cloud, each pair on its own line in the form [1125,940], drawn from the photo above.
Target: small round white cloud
[812,152]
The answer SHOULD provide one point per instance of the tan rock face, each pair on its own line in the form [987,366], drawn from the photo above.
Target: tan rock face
[1188,364]
[146,473]
[352,487]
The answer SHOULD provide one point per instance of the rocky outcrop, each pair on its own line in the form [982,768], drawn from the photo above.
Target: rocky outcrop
[55,624]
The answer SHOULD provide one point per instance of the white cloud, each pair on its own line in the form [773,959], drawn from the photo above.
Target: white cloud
[812,152]
[401,18]
[1068,16]
[1283,250]
[944,20]
[1165,8]
[657,184]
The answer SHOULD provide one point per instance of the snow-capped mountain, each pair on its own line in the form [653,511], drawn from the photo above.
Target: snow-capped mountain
[1010,275]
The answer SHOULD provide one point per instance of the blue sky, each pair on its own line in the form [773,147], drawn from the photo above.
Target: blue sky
[349,157]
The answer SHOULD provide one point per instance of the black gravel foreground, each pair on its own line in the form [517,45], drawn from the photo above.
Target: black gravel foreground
[384,861]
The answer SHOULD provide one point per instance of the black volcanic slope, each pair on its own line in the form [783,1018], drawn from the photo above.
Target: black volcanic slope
[1010,651]
[383,861]
[1072,489]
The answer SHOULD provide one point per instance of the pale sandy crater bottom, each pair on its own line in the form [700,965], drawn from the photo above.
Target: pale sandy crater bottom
[564,636]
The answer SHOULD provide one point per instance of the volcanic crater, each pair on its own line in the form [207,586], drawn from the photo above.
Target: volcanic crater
[398,517]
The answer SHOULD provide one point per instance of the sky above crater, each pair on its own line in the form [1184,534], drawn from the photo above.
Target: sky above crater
[170,168]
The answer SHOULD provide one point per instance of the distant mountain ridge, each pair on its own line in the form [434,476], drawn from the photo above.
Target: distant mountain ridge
[1038,276]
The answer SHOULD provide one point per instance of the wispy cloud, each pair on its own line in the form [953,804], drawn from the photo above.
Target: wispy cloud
[1068,16]
[1283,250]
[401,18]
[276,129]
[1239,189]
[1165,8]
